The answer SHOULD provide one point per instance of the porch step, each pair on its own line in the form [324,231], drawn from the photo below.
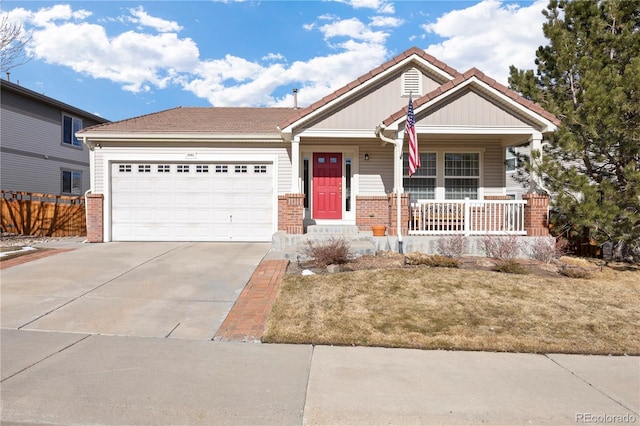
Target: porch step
[293,246]
[335,230]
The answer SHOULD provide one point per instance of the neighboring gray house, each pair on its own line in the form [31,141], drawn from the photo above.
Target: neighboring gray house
[39,151]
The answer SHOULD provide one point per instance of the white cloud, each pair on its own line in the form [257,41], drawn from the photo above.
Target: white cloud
[273,57]
[352,28]
[490,36]
[147,61]
[141,17]
[386,21]
[138,61]
[380,6]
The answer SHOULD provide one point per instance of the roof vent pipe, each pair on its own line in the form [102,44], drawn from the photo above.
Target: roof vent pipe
[295,98]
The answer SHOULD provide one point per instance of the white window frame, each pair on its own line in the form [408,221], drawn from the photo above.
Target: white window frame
[419,175]
[476,177]
[440,188]
[511,156]
[76,126]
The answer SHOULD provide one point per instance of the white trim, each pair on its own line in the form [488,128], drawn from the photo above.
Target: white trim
[439,192]
[334,133]
[476,130]
[296,182]
[97,137]
[173,156]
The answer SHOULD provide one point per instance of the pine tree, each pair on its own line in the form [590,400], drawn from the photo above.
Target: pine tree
[589,77]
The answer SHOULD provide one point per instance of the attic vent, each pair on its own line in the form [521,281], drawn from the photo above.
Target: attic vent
[412,83]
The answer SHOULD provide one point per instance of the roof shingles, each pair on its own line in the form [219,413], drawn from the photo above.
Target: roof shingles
[219,120]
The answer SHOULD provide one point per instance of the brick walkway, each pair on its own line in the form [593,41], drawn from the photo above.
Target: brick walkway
[29,257]
[248,316]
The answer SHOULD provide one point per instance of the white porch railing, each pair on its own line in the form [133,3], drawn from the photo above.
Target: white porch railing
[468,217]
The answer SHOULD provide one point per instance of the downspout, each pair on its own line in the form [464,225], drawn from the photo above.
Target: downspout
[90,190]
[396,145]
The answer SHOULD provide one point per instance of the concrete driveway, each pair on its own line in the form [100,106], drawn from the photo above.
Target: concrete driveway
[58,366]
[167,289]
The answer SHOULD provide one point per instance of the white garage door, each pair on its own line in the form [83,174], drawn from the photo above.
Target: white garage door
[192,202]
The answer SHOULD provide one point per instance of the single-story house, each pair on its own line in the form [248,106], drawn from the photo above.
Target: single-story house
[243,174]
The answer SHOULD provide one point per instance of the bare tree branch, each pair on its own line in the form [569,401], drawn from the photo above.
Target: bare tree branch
[12,45]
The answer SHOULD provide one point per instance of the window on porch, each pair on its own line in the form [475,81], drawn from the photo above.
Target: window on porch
[422,185]
[461,176]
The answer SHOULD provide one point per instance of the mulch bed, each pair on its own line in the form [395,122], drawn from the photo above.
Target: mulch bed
[390,260]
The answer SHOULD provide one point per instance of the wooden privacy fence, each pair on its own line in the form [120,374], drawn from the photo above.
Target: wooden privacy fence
[48,215]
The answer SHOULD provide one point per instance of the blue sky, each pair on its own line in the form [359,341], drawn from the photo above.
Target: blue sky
[121,59]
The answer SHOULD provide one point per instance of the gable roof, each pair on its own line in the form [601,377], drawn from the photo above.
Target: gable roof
[242,123]
[459,80]
[199,120]
[414,51]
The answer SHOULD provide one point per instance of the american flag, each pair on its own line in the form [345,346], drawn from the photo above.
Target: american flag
[414,154]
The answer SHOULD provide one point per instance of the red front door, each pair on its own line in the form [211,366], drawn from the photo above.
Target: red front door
[327,186]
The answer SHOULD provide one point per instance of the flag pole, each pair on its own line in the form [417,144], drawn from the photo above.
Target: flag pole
[398,215]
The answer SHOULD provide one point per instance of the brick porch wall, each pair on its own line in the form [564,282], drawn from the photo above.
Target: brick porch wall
[381,210]
[371,210]
[95,218]
[536,215]
[291,213]
[393,213]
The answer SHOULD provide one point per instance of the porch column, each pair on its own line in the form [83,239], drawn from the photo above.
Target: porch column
[397,165]
[95,217]
[536,215]
[535,180]
[295,165]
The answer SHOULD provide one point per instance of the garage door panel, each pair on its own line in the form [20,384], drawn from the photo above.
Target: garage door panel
[202,200]
[197,204]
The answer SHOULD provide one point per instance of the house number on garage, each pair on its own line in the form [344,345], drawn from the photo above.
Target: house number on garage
[190,155]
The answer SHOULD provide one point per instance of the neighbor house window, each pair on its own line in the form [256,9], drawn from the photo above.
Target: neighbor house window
[461,175]
[71,182]
[71,125]
[422,185]
[513,159]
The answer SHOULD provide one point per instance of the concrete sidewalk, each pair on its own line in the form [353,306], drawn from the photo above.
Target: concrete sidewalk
[71,378]
[58,367]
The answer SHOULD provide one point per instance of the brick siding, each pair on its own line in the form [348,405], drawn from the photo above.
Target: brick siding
[374,210]
[291,213]
[95,218]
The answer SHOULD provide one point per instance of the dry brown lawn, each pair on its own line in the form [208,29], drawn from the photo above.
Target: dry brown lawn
[462,309]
